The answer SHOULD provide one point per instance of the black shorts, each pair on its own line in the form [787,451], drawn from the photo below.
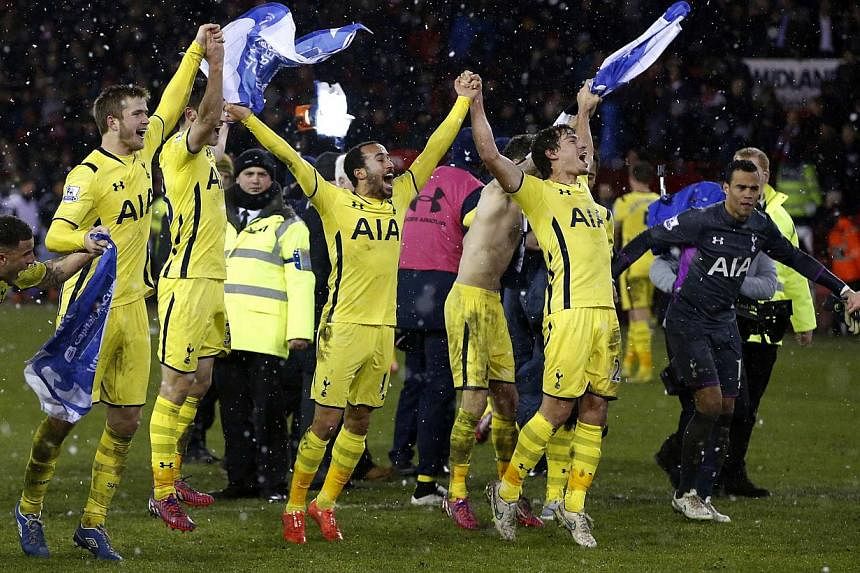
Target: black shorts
[706,353]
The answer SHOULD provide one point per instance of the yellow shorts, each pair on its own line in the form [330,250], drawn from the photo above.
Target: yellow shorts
[122,374]
[479,344]
[353,364]
[582,351]
[193,322]
[635,292]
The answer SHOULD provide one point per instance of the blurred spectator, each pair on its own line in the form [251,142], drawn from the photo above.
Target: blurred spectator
[23,203]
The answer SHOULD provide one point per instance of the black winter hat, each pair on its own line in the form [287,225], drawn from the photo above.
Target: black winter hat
[254,158]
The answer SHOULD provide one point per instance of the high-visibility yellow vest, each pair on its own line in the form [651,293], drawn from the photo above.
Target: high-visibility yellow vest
[269,291]
[794,286]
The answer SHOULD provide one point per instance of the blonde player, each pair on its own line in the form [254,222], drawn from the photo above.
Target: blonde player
[112,187]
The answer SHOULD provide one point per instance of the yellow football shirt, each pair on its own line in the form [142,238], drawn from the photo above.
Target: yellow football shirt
[116,191]
[198,217]
[630,211]
[574,233]
[29,277]
[363,235]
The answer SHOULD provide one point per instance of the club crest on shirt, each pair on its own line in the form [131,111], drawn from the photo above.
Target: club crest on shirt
[71,193]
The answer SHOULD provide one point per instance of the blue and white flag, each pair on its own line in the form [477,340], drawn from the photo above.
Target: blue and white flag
[262,41]
[62,372]
[637,56]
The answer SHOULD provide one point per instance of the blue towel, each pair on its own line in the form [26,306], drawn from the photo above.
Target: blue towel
[262,41]
[62,372]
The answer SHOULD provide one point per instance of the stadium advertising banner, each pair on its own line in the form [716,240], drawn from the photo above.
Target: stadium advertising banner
[794,81]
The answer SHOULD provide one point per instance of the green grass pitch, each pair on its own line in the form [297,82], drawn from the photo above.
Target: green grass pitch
[805,450]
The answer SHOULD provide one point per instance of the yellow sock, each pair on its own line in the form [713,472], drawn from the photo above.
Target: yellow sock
[425,478]
[639,340]
[108,466]
[629,357]
[462,443]
[347,450]
[586,444]
[504,436]
[186,417]
[308,460]
[558,463]
[530,447]
[40,468]
[162,437]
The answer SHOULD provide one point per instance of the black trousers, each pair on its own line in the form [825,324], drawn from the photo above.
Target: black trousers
[426,406]
[759,360]
[204,418]
[256,397]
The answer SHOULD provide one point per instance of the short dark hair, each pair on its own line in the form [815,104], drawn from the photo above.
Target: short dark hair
[643,172]
[744,165]
[518,147]
[111,101]
[12,231]
[198,89]
[355,160]
[546,140]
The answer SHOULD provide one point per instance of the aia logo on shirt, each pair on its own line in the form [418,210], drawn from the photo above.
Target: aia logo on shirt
[738,267]
[434,200]
[375,231]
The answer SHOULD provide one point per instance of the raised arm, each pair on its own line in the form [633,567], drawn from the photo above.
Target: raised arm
[212,105]
[303,171]
[506,172]
[467,86]
[176,92]
[587,103]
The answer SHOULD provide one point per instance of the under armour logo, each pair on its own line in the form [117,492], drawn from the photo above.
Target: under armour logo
[564,191]
[164,465]
[357,205]
[435,204]
[118,185]
[717,240]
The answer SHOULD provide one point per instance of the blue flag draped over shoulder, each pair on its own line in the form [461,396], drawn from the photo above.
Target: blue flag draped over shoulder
[637,56]
[62,372]
[262,41]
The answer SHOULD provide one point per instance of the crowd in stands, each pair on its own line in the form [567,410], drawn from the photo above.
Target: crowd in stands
[690,110]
